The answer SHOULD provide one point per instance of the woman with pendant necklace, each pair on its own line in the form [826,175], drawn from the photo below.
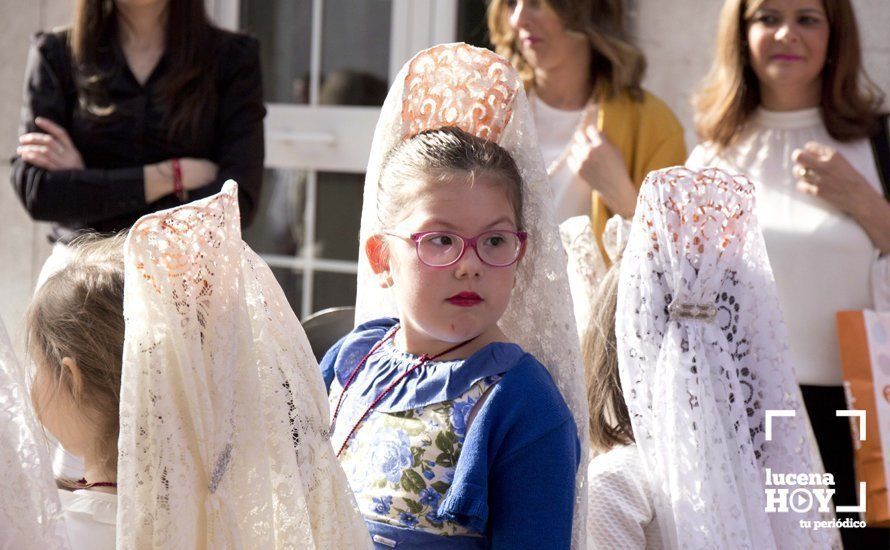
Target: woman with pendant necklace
[599,131]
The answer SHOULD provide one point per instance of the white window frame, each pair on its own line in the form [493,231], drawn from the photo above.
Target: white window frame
[316,138]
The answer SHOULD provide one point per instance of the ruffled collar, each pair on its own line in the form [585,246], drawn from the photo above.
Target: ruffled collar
[434,382]
[788,120]
[101,507]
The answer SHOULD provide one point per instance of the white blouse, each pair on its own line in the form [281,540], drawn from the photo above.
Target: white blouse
[620,513]
[90,517]
[821,258]
[556,128]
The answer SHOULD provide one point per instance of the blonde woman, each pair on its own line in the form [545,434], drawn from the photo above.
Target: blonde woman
[599,131]
[788,104]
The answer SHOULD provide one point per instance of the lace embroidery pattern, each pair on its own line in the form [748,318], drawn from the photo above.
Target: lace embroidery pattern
[458,86]
[30,513]
[699,376]
[223,410]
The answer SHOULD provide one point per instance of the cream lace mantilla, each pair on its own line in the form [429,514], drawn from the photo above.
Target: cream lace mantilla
[223,439]
[30,513]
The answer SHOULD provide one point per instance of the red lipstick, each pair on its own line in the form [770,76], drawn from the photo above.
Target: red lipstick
[465,299]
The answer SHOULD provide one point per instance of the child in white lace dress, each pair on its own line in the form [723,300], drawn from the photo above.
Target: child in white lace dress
[620,513]
[75,328]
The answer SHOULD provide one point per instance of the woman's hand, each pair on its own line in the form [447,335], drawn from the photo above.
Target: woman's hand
[52,150]
[159,177]
[599,163]
[197,172]
[821,171]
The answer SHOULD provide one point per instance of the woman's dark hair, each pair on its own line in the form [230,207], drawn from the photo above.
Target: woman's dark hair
[187,91]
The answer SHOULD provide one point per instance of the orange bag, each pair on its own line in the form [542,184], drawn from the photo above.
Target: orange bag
[864,338]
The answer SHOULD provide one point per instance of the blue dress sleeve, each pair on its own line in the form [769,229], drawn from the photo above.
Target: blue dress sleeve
[515,478]
[531,492]
[328,362]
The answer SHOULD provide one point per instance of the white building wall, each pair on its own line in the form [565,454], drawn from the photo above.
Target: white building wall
[23,245]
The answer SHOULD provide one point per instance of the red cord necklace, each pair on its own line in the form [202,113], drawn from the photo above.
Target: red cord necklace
[423,359]
[87,485]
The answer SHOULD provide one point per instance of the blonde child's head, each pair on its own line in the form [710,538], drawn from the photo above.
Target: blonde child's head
[75,337]
[436,188]
[609,420]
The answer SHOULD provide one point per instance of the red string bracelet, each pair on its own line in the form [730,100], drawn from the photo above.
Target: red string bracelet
[178,189]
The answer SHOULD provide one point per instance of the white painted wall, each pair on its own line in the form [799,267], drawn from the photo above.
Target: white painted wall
[23,245]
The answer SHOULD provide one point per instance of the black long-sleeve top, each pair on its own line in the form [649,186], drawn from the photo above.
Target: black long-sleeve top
[109,194]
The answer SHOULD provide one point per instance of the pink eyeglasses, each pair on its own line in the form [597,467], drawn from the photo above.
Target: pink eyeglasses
[498,248]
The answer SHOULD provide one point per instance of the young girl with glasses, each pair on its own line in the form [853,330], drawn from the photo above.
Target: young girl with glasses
[451,435]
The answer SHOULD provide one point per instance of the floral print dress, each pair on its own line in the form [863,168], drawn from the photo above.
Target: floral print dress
[401,464]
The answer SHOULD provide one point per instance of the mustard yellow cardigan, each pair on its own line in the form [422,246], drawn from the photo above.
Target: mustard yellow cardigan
[649,137]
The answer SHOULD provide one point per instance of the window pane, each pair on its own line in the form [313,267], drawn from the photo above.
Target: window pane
[332,290]
[355,62]
[277,227]
[285,31]
[291,282]
[338,215]
[472,26]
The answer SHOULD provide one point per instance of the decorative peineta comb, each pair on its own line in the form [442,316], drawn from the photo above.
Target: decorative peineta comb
[459,85]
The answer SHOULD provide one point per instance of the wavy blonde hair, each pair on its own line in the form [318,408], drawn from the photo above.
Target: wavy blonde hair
[730,92]
[617,65]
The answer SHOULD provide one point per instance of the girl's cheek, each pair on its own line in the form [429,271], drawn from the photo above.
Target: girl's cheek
[51,404]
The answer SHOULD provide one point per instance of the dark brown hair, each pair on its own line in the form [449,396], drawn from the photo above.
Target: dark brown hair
[187,92]
[616,63]
[78,313]
[730,93]
[609,419]
[439,155]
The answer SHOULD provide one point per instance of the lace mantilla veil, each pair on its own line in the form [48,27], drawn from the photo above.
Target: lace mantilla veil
[223,412]
[478,91]
[586,264]
[703,355]
[30,512]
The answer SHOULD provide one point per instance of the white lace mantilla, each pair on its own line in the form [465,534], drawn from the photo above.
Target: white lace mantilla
[586,265]
[703,356]
[30,513]
[223,439]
